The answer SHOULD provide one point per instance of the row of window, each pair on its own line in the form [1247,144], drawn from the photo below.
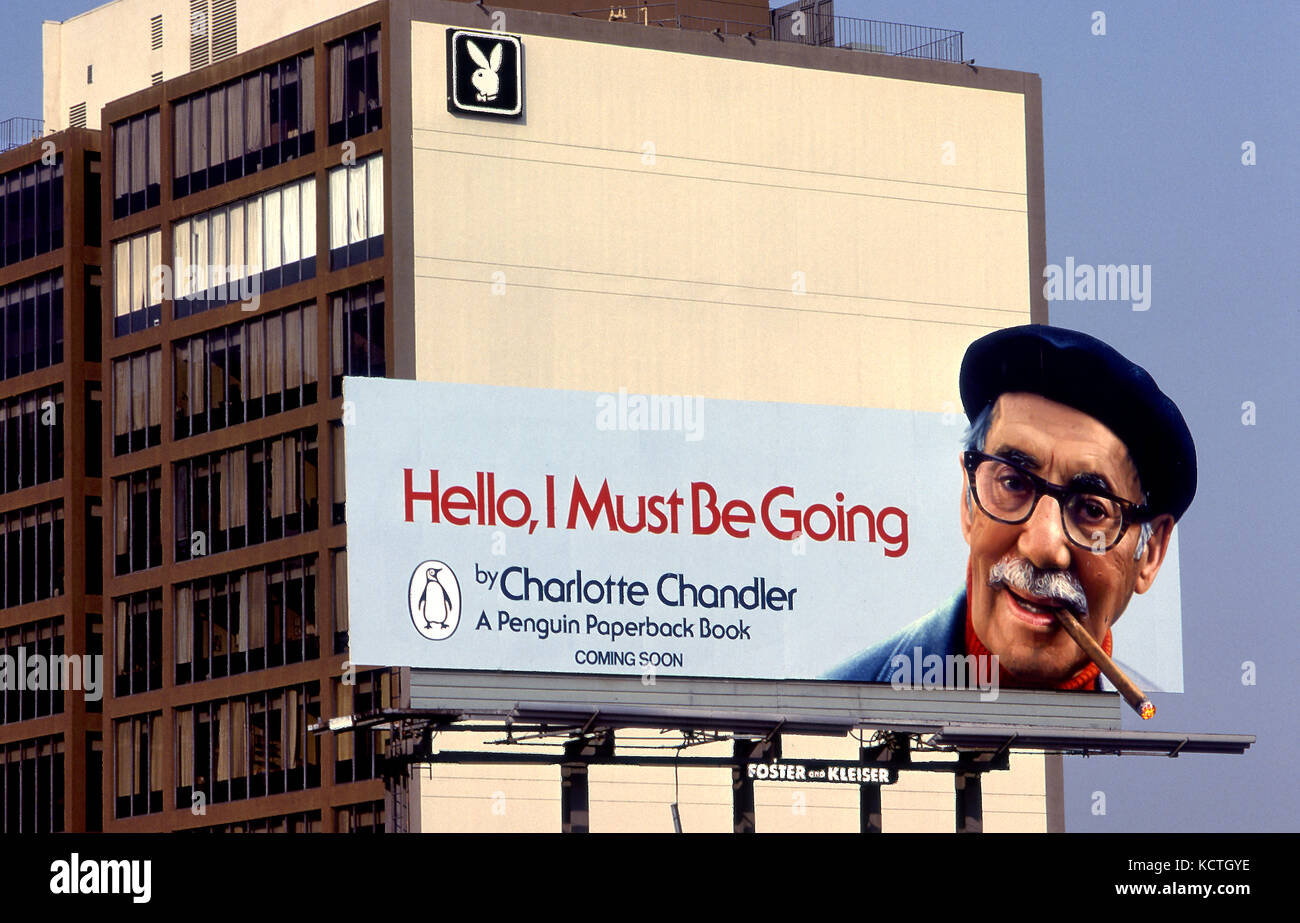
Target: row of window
[223,500]
[247,620]
[31,553]
[31,324]
[254,493]
[42,639]
[358,753]
[31,211]
[298,822]
[246,747]
[31,785]
[249,746]
[255,619]
[259,244]
[31,439]
[137,164]
[246,125]
[248,370]
[238,251]
[245,371]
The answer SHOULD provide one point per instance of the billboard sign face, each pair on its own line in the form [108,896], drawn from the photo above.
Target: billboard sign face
[494,528]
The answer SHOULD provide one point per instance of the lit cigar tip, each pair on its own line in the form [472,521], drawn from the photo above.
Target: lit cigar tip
[1146,710]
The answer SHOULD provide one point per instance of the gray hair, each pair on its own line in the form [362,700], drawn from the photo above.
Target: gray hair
[977,434]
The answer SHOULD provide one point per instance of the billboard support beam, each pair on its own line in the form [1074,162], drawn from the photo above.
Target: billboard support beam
[895,750]
[742,786]
[575,797]
[970,798]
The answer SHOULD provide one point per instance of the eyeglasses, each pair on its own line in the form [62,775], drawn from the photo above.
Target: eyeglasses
[1092,518]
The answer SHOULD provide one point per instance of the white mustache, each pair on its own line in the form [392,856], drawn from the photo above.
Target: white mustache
[1060,586]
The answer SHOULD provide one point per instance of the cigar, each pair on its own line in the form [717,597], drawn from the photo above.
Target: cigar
[1127,688]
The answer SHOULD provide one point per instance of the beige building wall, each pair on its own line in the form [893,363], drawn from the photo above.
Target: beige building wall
[116,39]
[677,223]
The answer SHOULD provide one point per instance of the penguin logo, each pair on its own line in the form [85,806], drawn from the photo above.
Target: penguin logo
[434,597]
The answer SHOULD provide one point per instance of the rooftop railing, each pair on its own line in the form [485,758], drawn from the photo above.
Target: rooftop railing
[18,131]
[807,26]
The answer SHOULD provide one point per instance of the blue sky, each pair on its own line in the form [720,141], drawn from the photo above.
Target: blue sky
[1143,135]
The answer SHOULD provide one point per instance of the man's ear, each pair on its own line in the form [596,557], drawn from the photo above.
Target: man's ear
[1148,565]
[967,503]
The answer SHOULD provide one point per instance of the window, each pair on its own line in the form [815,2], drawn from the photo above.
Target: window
[31,786]
[355,100]
[139,765]
[137,637]
[247,620]
[339,598]
[357,212]
[221,376]
[31,439]
[236,252]
[137,535]
[367,817]
[31,211]
[357,334]
[245,496]
[137,283]
[137,402]
[137,170]
[31,553]
[243,126]
[35,639]
[358,753]
[248,746]
[31,324]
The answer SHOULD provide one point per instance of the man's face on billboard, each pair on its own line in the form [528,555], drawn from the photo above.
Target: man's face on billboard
[1059,444]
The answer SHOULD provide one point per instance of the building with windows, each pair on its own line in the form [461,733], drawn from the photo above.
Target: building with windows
[51,497]
[697,199]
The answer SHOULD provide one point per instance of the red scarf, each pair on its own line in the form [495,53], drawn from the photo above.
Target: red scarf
[1084,679]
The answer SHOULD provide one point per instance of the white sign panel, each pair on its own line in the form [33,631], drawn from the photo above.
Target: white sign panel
[495,528]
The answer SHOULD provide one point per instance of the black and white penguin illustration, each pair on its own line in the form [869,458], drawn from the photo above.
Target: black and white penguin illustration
[434,600]
[435,595]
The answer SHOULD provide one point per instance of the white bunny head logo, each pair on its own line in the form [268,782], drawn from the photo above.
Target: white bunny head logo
[485,79]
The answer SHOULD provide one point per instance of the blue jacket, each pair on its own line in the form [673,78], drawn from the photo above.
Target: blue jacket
[941,632]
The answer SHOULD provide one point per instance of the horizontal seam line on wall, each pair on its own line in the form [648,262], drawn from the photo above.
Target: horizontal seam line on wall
[735,304]
[756,288]
[739,182]
[727,163]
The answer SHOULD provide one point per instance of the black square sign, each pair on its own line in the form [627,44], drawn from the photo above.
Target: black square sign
[485,73]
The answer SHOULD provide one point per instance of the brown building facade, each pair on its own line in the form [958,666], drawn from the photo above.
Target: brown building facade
[51,508]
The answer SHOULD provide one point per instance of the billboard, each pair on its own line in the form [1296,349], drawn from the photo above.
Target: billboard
[515,529]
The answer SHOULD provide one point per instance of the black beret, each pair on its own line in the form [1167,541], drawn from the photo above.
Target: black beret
[1082,372]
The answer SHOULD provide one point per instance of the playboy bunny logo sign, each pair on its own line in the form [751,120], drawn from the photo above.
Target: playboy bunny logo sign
[485,73]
